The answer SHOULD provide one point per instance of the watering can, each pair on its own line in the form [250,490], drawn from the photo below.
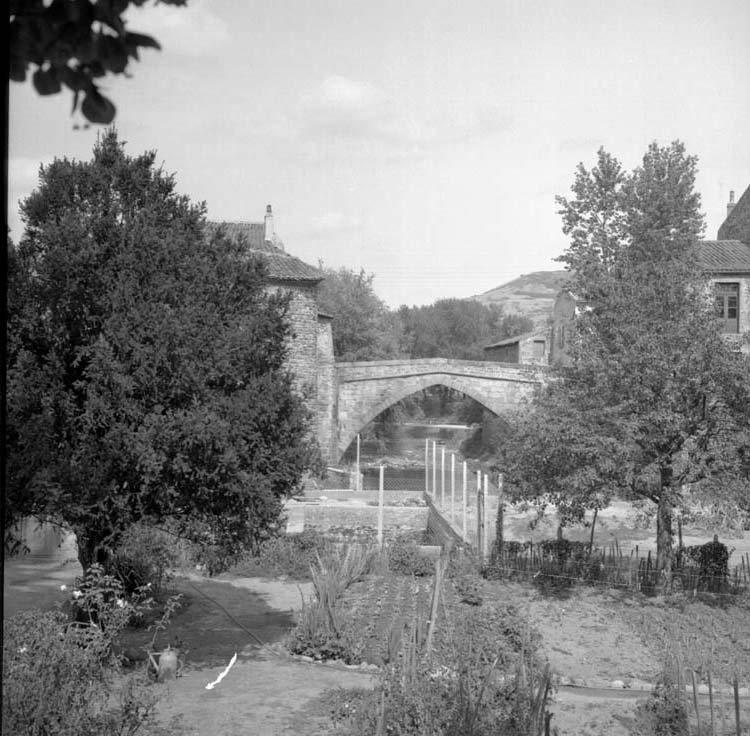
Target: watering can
[166,667]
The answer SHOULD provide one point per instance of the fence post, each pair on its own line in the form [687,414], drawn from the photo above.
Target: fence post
[358,484]
[426,465]
[434,469]
[480,520]
[463,504]
[486,516]
[442,478]
[500,531]
[380,508]
[453,486]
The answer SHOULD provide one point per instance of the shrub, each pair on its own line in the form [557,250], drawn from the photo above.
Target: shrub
[145,555]
[99,601]
[465,699]
[664,714]
[56,681]
[404,557]
[320,632]
[288,554]
[463,570]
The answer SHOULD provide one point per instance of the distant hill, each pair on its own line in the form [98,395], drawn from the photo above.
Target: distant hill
[531,295]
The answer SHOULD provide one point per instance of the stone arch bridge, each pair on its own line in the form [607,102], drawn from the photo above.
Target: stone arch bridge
[360,391]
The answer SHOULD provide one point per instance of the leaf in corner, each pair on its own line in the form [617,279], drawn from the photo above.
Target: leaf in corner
[97,108]
[46,81]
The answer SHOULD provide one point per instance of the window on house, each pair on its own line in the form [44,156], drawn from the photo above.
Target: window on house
[538,348]
[727,306]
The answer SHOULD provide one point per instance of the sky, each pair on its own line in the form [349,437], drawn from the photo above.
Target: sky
[423,141]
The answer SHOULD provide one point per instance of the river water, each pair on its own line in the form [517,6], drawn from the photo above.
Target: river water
[403,454]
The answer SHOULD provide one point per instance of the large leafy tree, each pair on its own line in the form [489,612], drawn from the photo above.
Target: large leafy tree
[363,326]
[73,43]
[458,328]
[145,364]
[655,403]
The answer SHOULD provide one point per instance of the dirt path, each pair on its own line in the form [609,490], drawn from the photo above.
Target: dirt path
[265,693]
[267,696]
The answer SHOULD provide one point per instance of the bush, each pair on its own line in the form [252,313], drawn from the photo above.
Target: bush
[58,679]
[404,557]
[288,554]
[465,697]
[145,556]
[664,714]
[320,632]
[463,570]
[99,602]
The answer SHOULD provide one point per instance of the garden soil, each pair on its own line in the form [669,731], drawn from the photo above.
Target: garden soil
[268,693]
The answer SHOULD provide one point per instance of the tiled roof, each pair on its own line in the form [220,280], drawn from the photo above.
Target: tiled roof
[724,256]
[737,224]
[281,266]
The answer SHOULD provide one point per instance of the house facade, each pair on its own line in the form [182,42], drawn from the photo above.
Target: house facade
[726,264]
[529,348]
[310,349]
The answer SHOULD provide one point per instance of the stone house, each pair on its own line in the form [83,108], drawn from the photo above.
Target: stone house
[531,347]
[310,350]
[726,264]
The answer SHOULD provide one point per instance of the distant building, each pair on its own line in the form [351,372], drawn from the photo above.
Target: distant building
[530,347]
[310,354]
[726,264]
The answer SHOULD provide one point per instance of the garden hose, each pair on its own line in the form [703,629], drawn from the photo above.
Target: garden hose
[229,615]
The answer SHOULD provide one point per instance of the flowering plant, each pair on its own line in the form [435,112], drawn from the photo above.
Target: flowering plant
[99,607]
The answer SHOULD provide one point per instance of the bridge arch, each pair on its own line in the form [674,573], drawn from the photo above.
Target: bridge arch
[350,429]
[367,389]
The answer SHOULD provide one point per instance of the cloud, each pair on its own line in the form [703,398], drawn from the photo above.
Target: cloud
[358,117]
[192,30]
[332,224]
[335,222]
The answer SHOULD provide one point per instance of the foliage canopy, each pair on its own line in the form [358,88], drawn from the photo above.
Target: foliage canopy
[74,43]
[145,364]
[654,402]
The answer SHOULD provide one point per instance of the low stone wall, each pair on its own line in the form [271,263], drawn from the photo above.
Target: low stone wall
[395,518]
[439,529]
[391,498]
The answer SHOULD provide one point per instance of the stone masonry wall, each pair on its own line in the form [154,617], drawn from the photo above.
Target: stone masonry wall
[395,519]
[303,345]
[327,389]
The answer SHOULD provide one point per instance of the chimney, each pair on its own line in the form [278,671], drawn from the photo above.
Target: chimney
[269,233]
[731,204]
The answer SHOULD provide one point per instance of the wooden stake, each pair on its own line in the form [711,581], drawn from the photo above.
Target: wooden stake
[463,505]
[380,508]
[736,687]
[442,477]
[426,465]
[695,701]
[453,486]
[434,469]
[358,484]
[711,703]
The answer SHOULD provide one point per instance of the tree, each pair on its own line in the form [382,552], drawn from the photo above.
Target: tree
[458,328]
[74,43]
[145,371]
[363,327]
[655,403]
